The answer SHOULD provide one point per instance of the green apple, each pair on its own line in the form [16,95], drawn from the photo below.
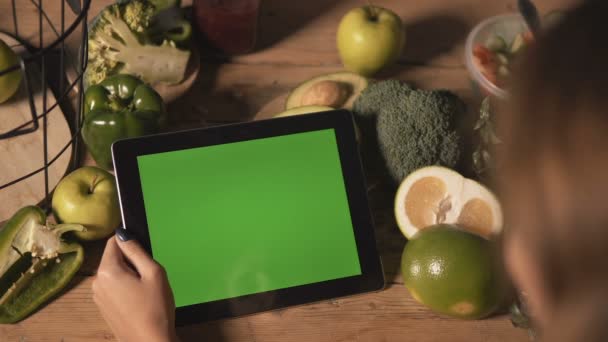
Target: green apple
[9,83]
[369,39]
[88,196]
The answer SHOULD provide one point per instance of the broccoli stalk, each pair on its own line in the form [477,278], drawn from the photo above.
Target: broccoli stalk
[115,48]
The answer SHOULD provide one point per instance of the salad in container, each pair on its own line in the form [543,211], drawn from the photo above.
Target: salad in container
[494,44]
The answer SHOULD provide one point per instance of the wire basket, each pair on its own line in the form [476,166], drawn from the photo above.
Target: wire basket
[47,32]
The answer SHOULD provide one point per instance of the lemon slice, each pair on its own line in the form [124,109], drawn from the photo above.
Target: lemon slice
[434,195]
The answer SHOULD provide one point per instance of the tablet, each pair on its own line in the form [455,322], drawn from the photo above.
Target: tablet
[252,217]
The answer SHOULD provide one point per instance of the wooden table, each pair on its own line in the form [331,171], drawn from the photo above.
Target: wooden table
[296,42]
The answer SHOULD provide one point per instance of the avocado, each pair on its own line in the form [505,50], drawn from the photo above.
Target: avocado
[309,110]
[337,90]
[302,110]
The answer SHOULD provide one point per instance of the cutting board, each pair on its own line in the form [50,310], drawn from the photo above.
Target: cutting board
[23,154]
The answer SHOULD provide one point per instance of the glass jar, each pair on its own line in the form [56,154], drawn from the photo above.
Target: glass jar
[228,25]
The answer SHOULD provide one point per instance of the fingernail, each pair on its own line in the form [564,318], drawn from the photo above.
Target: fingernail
[123,234]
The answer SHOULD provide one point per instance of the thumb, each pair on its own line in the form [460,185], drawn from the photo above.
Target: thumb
[134,253]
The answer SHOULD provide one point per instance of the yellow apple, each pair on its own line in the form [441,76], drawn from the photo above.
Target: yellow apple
[370,38]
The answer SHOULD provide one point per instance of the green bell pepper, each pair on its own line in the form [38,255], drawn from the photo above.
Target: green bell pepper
[162,5]
[35,263]
[171,24]
[121,106]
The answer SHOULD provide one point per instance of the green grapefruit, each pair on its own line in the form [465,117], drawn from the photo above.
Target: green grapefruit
[454,272]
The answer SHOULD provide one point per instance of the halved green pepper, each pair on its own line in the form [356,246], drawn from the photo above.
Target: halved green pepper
[161,5]
[121,106]
[169,23]
[35,263]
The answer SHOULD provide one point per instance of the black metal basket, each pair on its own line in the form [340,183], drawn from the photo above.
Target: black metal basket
[49,56]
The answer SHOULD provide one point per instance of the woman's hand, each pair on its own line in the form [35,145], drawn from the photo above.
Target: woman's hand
[133,293]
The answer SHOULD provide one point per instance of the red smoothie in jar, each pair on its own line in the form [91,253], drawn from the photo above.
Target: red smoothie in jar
[228,25]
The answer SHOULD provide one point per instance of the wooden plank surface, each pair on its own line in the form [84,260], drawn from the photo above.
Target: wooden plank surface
[296,42]
[239,91]
[389,315]
[23,154]
[302,32]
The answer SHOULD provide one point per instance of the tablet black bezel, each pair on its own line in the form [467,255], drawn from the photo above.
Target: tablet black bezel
[125,152]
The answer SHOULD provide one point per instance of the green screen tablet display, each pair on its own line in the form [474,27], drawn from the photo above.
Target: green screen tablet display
[247,217]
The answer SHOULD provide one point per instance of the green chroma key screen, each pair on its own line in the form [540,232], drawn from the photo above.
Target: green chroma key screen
[248,217]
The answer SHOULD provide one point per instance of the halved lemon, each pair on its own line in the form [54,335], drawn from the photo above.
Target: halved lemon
[434,195]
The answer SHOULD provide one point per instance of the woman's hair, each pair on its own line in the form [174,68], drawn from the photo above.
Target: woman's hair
[554,169]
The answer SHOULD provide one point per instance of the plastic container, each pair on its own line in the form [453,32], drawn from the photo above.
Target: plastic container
[506,26]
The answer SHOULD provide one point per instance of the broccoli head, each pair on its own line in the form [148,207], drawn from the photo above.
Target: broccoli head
[118,43]
[366,108]
[418,130]
[379,95]
[138,15]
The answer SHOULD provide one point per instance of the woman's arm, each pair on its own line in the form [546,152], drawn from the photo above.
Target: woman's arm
[133,293]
